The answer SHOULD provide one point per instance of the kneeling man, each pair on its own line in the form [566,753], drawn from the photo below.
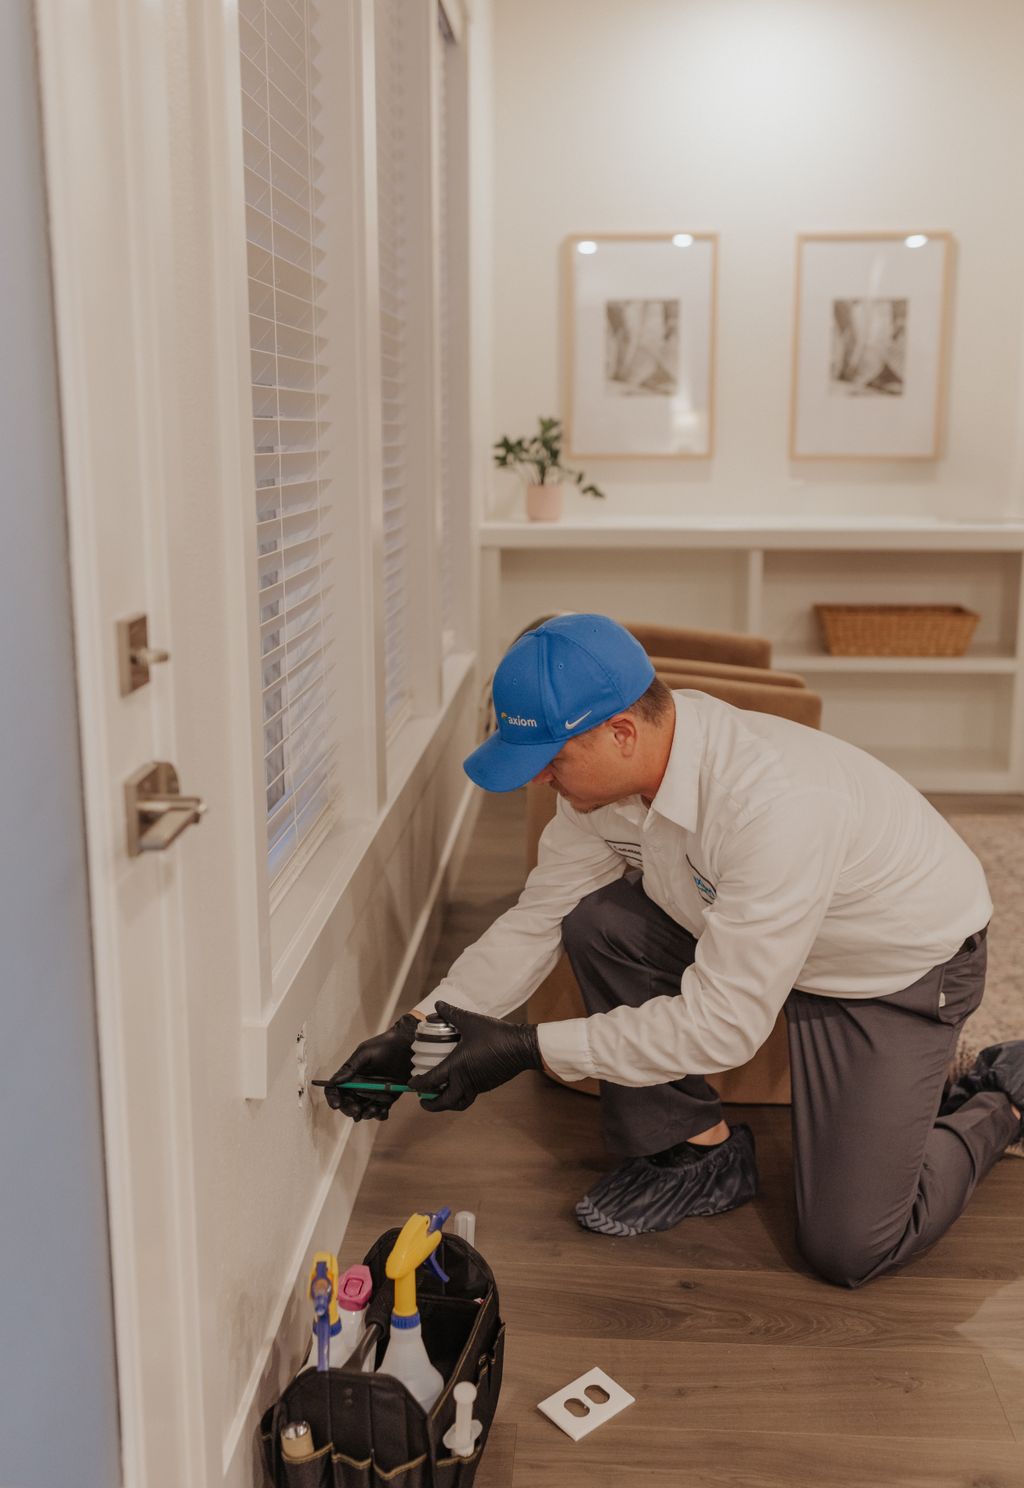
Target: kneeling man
[705,868]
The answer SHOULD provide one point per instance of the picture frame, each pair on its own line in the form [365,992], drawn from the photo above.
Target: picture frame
[640,315]
[870,345]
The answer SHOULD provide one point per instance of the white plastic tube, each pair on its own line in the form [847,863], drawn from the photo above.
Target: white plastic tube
[464,1225]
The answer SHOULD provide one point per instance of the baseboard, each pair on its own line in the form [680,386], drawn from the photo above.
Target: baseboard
[335,1196]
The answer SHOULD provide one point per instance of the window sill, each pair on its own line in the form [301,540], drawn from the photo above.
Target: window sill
[318,913]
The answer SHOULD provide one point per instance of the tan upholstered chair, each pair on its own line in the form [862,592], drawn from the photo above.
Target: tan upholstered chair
[736,669]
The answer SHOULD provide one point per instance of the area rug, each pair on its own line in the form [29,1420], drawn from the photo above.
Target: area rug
[998,841]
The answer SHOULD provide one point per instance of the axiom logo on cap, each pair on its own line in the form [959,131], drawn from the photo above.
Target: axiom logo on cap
[522,722]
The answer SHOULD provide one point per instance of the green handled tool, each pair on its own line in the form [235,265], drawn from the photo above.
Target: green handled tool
[389,1087]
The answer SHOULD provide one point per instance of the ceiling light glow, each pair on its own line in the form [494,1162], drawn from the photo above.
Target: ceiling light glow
[586,247]
[683,240]
[916,240]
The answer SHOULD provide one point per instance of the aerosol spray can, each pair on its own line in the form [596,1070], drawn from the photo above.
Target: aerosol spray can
[435,1039]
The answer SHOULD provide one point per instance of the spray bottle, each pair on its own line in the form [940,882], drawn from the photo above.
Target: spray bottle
[323,1293]
[406,1357]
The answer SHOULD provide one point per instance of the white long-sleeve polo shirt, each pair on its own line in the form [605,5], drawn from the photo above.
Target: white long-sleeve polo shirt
[795,859]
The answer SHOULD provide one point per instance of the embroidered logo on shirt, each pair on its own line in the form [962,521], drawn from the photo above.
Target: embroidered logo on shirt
[629,850]
[705,889]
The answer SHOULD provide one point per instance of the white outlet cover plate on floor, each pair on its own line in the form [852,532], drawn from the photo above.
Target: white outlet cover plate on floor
[580,1426]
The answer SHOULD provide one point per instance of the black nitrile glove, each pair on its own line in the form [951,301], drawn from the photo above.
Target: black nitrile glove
[388,1056]
[488,1053]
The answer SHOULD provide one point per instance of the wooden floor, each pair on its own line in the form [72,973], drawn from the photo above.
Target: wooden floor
[747,1370]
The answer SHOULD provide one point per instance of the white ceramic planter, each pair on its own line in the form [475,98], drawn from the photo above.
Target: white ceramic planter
[544,503]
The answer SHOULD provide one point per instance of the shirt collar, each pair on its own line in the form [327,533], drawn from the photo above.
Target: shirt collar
[677,793]
[633,809]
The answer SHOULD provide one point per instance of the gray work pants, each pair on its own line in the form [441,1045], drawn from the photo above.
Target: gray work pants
[878,1174]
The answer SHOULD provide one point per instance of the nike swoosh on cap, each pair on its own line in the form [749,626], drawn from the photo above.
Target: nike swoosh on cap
[578,720]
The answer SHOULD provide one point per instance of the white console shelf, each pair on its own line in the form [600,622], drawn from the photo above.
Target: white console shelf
[948,724]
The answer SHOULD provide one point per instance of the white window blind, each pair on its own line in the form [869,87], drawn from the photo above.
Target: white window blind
[444,51]
[393,238]
[283,228]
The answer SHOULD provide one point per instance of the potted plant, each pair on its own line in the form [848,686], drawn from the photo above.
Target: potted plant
[539,461]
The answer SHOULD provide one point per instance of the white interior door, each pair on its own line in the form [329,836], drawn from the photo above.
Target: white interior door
[155,428]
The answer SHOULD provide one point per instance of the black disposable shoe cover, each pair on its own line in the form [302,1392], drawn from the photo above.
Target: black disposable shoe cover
[999,1067]
[641,1196]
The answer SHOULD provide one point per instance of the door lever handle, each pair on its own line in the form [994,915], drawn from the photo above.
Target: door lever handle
[157,812]
[159,805]
[166,829]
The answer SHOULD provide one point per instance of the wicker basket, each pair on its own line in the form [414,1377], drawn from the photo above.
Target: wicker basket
[896,630]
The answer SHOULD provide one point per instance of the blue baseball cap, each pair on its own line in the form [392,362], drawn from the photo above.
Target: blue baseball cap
[556,682]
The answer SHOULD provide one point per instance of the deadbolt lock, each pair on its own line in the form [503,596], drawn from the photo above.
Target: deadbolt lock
[135,655]
[156,810]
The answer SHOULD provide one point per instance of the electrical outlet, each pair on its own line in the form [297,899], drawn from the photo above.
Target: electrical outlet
[302,1063]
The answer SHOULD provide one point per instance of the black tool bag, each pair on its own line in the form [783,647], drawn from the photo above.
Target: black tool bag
[367,1429]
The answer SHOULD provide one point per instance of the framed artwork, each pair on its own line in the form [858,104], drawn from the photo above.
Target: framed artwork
[869,345]
[640,333]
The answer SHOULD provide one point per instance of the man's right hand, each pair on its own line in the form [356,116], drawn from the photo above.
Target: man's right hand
[388,1056]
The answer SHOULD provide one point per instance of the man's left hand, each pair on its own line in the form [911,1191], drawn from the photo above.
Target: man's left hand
[489,1052]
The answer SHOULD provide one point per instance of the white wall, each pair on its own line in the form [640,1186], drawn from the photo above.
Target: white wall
[760,119]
